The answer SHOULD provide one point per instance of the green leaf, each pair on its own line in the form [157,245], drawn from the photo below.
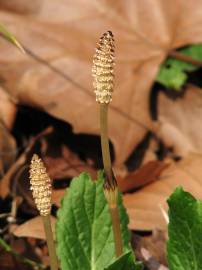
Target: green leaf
[173,72]
[184,248]
[84,231]
[125,262]
[10,37]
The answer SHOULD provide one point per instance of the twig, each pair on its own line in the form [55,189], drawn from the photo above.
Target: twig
[4,183]
[21,258]
[182,57]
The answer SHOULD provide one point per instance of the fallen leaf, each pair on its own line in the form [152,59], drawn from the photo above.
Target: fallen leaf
[8,149]
[151,249]
[67,165]
[143,176]
[9,262]
[19,165]
[21,6]
[143,206]
[33,228]
[180,121]
[15,255]
[63,166]
[150,154]
[60,42]
[8,109]
[146,174]
[57,196]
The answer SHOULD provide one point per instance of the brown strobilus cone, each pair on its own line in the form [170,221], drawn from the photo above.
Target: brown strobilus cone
[41,191]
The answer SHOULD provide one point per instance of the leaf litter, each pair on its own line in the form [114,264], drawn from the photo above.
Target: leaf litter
[60,76]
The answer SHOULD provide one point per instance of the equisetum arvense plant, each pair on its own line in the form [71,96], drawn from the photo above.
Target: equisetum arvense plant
[41,191]
[103,73]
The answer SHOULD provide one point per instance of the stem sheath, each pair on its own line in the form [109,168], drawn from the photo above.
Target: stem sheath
[50,242]
[116,230]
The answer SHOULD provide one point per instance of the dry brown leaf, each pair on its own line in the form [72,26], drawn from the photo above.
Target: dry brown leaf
[180,121]
[7,109]
[33,228]
[151,152]
[7,141]
[67,165]
[8,149]
[64,34]
[151,249]
[18,166]
[57,195]
[148,173]
[144,206]
[9,260]
[21,6]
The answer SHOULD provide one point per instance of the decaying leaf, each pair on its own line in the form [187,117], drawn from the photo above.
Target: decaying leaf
[64,35]
[7,141]
[21,6]
[7,109]
[151,249]
[8,149]
[57,196]
[19,165]
[67,165]
[180,121]
[33,228]
[148,173]
[143,206]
